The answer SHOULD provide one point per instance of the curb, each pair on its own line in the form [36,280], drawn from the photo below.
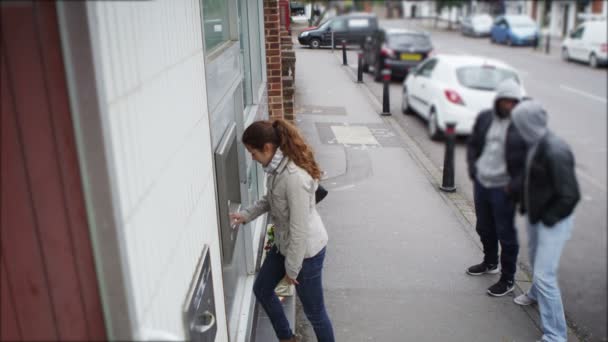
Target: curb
[460,206]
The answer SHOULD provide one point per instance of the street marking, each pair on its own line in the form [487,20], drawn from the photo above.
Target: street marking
[580,92]
[354,135]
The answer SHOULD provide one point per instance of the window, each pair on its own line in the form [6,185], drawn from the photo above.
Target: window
[216,23]
[578,34]
[521,21]
[409,39]
[251,31]
[483,77]
[358,23]
[427,68]
[338,25]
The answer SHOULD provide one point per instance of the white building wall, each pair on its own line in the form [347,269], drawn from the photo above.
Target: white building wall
[154,96]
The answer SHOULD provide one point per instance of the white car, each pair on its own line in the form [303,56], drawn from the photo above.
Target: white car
[587,43]
[477,25]
[454,88]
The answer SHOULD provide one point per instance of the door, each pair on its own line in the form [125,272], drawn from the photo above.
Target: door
[420,92]
[503,31]
[338,28]
[48,283]
[575,48]
[357,29]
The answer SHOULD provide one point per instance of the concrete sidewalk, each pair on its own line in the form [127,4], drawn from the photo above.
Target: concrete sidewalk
[398,249]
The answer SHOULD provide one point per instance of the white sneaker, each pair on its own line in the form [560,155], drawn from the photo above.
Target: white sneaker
[524,300]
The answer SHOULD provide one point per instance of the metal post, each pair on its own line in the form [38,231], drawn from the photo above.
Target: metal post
[547,43]
[344,62]
[332,42]
[448,160]
[386,78]
[360,67]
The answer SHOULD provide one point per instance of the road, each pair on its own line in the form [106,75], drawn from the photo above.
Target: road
[575,98]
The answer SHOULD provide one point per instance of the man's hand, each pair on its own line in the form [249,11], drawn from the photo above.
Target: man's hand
[291,281]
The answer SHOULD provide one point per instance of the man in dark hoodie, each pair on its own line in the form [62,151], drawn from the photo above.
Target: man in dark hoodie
[549,196]
[496,154]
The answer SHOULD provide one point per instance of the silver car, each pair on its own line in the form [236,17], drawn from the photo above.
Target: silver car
[477,25]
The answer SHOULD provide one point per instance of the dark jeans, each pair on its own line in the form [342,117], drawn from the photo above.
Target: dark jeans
[495,222]
[309,290]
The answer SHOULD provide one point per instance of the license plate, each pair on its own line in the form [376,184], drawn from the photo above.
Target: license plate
[410,57]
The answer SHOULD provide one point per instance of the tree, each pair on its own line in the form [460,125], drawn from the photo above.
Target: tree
[440,5]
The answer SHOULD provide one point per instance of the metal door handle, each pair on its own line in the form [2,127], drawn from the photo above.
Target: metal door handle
[209,321]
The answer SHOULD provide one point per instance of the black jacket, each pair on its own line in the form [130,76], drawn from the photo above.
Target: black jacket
[552,186]
[515,152]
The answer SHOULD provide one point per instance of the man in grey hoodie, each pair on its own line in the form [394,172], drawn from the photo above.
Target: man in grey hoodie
[496,155]
[550,194]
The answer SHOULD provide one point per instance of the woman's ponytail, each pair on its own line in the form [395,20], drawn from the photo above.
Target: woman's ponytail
[295,147]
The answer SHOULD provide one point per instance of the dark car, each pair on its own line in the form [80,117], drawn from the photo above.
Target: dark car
[396,49]
[297,8]
[353,28]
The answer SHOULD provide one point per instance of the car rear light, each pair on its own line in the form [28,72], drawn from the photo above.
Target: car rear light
[604,47]
[387,52]
[453,97]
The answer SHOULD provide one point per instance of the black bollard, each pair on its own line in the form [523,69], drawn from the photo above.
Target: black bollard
[360,67]
[448,160]
[547,43]
[344,62]
[386,78]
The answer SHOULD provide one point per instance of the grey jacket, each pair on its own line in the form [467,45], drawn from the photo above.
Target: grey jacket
[290,200]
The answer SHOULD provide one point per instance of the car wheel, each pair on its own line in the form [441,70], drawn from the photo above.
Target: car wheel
[593,61]
[433,126]
[509,41]
[405,103]
[565,55]
[492,40]
[315,43]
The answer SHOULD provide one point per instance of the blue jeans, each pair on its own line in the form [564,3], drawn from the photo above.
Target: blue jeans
[546,245]
[495,222]
[310,291]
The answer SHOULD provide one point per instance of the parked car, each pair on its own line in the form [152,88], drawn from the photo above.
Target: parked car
[396,49]
[453,88]
[514,30]
[353,28]
[297,8]
[588,43]
[477,25]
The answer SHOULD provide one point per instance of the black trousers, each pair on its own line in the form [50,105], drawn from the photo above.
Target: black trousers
[496,223]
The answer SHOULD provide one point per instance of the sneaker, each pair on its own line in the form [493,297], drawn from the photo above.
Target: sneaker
[524,300]
[482,268]
[501,288]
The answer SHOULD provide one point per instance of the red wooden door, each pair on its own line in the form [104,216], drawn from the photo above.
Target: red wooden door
[48,281]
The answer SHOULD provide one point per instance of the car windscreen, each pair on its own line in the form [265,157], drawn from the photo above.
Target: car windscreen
[325,25]
[521,22]
[482,20]
[483,77]
[408,39]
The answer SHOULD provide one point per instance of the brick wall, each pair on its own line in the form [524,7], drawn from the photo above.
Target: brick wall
[597,6]
[280,62]
[288,73]
[273,58]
